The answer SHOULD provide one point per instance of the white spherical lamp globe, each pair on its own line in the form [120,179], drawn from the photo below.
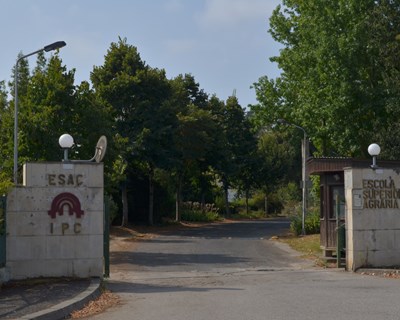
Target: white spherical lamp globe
[374,149]
[66,141]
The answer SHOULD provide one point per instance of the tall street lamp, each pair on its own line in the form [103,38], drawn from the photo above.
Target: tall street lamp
[304,153]
[50,47]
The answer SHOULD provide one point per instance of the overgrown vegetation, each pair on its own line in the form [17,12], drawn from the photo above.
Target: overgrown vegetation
[199,216]
[2,215]
[197,212]
[311,222]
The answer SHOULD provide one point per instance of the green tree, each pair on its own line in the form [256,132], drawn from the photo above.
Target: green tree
[384,44]
[139,97]
[335,76]
[192,144]
[6,125]
[236,143]
[50,105]
[53,105]
[276,163]
[45,111]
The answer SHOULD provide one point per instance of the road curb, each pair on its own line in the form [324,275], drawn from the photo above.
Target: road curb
[64,309]
[377,272]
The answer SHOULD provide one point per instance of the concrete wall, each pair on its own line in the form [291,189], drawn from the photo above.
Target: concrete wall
[50,238]
[372,218]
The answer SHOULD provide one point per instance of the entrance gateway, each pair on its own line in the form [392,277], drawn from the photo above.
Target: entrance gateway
[369,205]
[55,221]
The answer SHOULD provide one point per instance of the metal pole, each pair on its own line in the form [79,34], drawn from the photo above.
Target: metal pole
[304,178]
[106,237]
[16,114]
[53,46]
[339,234]
[304,154]
[303,174]
[15,172]
[65,154]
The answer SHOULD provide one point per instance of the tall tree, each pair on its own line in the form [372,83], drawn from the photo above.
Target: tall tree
[276,156]
[192,135]
[334,75]
[45,111]
[193,142]
[50,105]
[238,144]
[139,96]
[6,147]
[384,43]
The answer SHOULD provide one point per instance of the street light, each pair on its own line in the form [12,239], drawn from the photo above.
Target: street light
[66,142]
[50,47]
[304,153]
[374,150]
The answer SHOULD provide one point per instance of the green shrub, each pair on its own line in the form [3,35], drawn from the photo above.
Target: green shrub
[220,203]
[5,183]
[257,204]
[251,215]
[199,216]
[112,207]
[296,224]
[311,223]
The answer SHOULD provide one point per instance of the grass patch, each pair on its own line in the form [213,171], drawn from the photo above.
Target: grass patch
[308,245]
[250,215]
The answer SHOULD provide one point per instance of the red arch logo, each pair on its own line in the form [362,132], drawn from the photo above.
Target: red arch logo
[63,200]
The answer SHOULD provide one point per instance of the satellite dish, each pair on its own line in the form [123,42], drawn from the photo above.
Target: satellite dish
[101,148]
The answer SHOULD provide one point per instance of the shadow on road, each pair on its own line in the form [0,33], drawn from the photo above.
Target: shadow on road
[129,287]
[234,229]
[171,259]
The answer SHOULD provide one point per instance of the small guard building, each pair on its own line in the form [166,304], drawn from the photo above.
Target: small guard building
[367,201]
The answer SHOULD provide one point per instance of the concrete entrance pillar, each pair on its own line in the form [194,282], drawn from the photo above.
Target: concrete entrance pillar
[372,217]
[55,221]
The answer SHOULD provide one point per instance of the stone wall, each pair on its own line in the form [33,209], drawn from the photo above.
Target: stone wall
[55,221]
[372,218]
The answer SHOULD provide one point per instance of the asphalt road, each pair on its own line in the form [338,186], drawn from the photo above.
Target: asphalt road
[233,271]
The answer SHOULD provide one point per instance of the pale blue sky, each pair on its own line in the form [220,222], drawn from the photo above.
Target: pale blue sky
[224,44]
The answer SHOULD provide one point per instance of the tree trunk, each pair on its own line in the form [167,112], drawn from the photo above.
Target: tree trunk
[226,187]
[203,184]
[151,197]
[124,195]
[203,202]
[266,205]
[178,199]
[247,202]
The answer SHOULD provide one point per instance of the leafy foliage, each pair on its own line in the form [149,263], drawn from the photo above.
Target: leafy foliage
[199,216]
[169,141]
[338,72]
[311,223]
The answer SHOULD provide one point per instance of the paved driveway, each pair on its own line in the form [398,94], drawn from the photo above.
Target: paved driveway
[233,271]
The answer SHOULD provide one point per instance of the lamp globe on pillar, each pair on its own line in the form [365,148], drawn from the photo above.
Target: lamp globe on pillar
[66,142]
[374,150]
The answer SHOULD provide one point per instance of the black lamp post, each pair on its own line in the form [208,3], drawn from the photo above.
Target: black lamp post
[50,47]
[304,152]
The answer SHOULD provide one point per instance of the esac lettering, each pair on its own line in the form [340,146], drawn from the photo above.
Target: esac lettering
[65,180]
